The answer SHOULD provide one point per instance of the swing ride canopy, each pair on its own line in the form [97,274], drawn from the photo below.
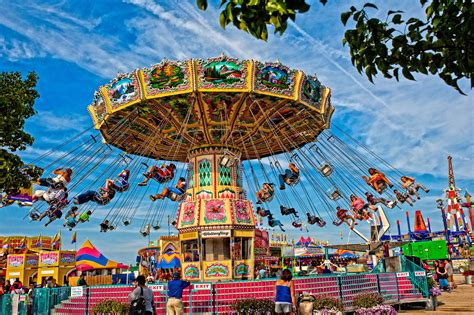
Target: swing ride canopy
[177,105]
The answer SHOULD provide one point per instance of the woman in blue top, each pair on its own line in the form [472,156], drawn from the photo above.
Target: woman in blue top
[284,293]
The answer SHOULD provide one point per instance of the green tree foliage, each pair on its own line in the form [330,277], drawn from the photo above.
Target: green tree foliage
[253,16]
[440,44]
[17,97]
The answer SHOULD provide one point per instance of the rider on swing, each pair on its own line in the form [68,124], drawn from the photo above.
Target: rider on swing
[376,178]
[179,189]
[103,197]
[273,223]
[287,211]
[292,174]
[402,198]
[162,174]
[360,208]
[266,193]
[372,200]
[263,212]
[412,187]
[343,216]
[312,219]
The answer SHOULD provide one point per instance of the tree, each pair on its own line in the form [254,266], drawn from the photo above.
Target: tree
[17,98]
[441,44]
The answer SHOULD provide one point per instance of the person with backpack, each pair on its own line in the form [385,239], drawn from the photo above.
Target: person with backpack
[141,299]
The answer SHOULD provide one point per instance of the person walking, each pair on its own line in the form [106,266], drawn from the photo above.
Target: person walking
[284,293]
[175,294]
[142,298]
[442,277]
[450,272]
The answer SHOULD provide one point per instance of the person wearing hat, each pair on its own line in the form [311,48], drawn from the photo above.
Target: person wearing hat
[175,294]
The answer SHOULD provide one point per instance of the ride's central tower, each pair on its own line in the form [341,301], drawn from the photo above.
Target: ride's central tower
[216,222]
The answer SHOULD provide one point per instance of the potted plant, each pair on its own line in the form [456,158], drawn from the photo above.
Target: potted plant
[253,306]
[467,273]
[110,307]
[325,305]
[371,303]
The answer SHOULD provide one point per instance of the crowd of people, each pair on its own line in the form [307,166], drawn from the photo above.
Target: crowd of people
[442,272]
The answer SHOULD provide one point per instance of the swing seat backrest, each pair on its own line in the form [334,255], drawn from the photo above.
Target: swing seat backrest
[382,185]
[175,197]
[156,227]
[267,197]
[335,194]
[325,170]
[34,214]
[126,222]
[321,222]
[227,161]
[292,181]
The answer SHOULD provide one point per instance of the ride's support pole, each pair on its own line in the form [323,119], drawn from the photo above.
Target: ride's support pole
[443,215]
[463,221]
[429,225]
[455,217]
[471,212]
[408,224]
[399,230]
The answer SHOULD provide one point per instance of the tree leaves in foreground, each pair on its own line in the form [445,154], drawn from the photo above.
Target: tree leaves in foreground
[441,44]
[17,98]
[253,16]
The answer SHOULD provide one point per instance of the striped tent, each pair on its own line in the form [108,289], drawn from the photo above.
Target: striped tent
[89,258]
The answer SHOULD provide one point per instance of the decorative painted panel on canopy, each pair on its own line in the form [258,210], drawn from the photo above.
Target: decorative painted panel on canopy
[177,105]
[213,212]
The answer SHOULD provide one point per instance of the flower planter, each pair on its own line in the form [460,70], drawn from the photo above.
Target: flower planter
[468,279]
[327,312]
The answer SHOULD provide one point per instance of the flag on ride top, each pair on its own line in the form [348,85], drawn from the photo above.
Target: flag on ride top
[6,243]
[74,238]
[22,244]
[39,243]
[56,243]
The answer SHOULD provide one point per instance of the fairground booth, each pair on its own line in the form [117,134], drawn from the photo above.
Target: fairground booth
[97,268]
[32,259]
[159,260]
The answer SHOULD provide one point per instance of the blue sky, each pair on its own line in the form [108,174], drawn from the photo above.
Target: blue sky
[76,46]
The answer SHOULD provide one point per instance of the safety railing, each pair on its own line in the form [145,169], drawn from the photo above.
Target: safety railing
[417,275]
[44,299]
[217,298]
[14,304]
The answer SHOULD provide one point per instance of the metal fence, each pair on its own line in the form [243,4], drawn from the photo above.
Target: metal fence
[217,298]
[9,302]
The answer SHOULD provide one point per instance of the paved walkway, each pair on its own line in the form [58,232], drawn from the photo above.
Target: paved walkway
[459,301]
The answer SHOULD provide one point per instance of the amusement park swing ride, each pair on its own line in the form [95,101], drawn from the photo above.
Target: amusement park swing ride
[201,140]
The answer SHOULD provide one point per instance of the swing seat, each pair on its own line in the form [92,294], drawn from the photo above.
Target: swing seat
[267,197]
[34,214]
[228,159]
[325,170]
[111,227]
[337,222]
[144,232]
[126,222]
[334,194]
[156,227]
[382,186]
[297,224]
[292,181]
[176,197]
[320,222]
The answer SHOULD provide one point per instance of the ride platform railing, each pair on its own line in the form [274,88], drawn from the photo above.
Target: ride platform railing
[217,298]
